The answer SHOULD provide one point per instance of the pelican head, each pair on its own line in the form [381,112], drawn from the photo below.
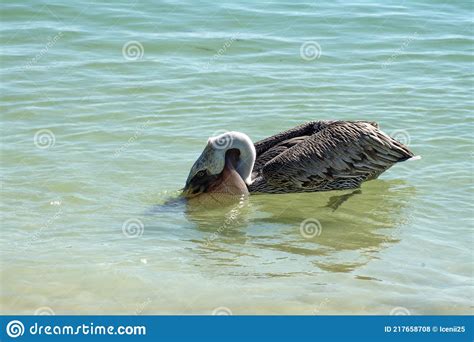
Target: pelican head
[230,153]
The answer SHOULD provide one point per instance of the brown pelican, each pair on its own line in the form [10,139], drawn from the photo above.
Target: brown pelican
[315,156]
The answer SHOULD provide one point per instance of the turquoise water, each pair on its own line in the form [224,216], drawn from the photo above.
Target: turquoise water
[106,107]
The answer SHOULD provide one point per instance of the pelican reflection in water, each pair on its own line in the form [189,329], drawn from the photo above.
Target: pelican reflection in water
[344,240]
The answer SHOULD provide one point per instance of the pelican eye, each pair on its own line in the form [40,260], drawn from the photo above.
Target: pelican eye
[201,173]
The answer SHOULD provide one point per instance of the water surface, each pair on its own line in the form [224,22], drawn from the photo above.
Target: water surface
[105,107]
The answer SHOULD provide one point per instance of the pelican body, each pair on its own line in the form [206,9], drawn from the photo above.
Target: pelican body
[315,156]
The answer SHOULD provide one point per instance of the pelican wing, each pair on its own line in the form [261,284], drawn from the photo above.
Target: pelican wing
[273,146]
[325,155]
